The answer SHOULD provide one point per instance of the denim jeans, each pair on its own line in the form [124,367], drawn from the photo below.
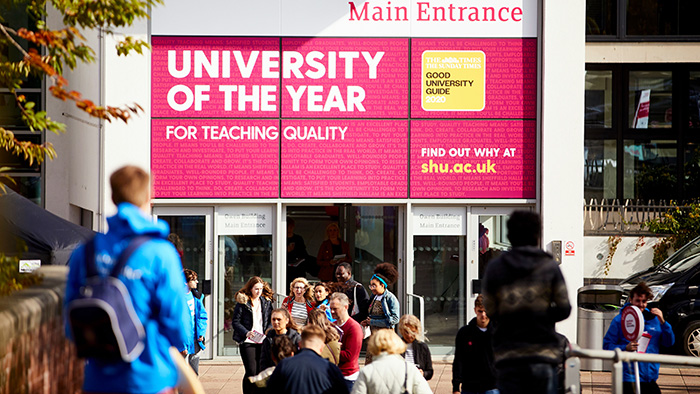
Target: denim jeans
[349,383]
[535,378]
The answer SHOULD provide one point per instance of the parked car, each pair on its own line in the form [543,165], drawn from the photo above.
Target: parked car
[676,287]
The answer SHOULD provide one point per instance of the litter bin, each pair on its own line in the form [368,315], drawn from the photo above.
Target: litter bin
[597,306]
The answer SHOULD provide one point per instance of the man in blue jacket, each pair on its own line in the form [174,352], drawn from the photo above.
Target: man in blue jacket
[153,277]
[195,339]
[654,325]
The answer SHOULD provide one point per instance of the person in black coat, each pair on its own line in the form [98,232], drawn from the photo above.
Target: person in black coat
[473,367]
[282,325]
[307,372]
[359,299]
[251,318]
[417,351]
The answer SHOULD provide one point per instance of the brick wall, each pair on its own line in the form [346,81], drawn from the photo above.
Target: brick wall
[35,356]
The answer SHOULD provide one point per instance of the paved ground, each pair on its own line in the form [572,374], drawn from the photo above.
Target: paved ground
[225,378]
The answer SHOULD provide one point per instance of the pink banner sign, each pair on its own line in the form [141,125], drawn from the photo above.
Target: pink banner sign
[344,158]
[219,77]
[215,158]
[345,77]
[250,77]
[507,80]
[473,159]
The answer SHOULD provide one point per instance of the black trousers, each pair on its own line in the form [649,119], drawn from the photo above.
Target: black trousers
[647,388]
[250,355]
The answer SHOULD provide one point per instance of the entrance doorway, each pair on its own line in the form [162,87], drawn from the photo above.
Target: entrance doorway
[190,230]
[372,234]
[244,249]
[452,247]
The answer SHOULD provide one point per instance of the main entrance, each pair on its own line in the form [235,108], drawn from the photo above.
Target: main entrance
[450,248]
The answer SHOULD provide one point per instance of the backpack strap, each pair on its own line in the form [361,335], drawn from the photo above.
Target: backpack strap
[134,244]
[91,268]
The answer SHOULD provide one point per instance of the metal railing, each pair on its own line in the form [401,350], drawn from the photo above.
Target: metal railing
[421,309]
[573,364]
[615,217]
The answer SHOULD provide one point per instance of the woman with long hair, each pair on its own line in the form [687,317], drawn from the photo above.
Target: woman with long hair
[251,318]
[389,372]
[331,351]
[417,351]
[322,291]
[331,252]
[300,301]
[282,325]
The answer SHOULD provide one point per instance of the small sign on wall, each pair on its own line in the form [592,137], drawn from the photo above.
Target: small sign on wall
[26,266]
[244,220]
[569,248]
[439,221]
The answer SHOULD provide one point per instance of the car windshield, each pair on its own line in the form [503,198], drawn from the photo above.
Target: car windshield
[681,257]
[685,264]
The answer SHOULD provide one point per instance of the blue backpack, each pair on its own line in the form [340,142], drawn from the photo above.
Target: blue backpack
[103,320]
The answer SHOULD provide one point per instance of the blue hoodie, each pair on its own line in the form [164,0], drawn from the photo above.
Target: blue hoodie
[198,316]
[661,334]
[155,281]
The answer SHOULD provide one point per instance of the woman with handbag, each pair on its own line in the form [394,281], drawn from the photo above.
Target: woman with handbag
[383,305]
[251,318]
[389,373]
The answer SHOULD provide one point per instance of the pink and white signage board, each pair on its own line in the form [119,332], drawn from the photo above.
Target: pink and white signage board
[335,158]
[473,159]
[250,77]
[509,85]
[348,95]
[345,77]
[215,158]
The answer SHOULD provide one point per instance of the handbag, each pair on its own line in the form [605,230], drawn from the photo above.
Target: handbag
[355,308]
[366,332]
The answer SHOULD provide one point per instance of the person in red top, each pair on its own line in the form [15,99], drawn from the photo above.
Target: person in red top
[332,252]
[350,338]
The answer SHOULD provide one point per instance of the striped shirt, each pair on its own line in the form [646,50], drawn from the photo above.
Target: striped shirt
[299,313]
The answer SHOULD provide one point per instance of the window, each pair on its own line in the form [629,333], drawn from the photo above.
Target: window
[648,20]
[26,179]
[635,148]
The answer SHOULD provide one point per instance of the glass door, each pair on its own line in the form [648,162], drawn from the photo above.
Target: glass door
[438,273]
[488,239]
[190,232]
[370,231]
[244,249]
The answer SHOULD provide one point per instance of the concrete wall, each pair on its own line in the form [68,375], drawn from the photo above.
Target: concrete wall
[35,356]
[72,178]
[562,92]
[90,150]
[632,255]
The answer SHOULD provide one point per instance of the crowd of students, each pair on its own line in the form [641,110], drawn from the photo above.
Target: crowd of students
[133,263]
[327,323]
